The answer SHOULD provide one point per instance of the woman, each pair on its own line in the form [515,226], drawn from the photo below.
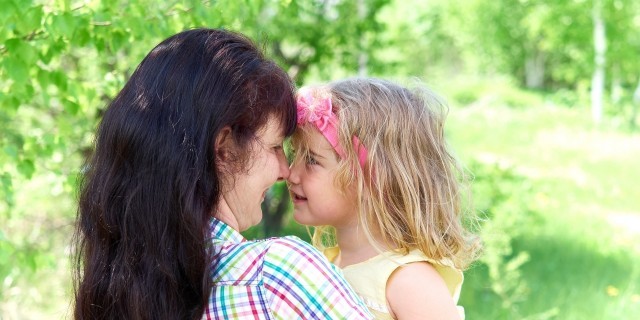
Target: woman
[183,157]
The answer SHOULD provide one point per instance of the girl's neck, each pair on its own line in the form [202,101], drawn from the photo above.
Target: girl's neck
[354,246]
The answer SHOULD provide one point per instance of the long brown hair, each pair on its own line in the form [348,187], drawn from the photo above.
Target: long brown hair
[152,184]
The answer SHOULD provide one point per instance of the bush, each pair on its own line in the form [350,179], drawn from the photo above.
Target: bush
[504,202]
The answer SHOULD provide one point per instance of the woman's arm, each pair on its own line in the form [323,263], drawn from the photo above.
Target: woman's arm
[417,291]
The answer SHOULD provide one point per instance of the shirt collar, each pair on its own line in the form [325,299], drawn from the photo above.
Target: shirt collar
[221,231]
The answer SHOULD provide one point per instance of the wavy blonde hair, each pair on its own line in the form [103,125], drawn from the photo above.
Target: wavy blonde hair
[410,191]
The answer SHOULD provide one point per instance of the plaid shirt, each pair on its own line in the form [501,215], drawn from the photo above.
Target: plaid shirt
[277,278]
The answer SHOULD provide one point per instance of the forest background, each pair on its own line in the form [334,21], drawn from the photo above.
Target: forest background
[544,98]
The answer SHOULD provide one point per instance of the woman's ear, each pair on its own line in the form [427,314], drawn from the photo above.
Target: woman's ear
[223,144]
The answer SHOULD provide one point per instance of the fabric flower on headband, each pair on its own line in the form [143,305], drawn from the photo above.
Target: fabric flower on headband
[314,110]
[318,111]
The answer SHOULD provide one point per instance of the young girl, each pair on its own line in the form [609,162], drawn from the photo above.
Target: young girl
[371,162]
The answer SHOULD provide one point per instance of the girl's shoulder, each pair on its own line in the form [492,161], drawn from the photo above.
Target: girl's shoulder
[418,288]
[452,276]
[382,266]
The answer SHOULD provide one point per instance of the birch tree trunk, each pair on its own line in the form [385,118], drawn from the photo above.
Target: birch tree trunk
[634,106]
[534,70]
[616,85]
[363,58]
[600,46]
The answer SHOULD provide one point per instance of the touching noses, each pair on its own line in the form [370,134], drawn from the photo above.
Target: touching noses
[294,177]
[283,167]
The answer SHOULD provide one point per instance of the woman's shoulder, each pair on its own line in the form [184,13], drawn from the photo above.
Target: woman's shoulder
[288,241]
[282,243]
[291,257]
[295,252]
[295,270]
[275,257]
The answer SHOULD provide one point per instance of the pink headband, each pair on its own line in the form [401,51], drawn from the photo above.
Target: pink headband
[318,111]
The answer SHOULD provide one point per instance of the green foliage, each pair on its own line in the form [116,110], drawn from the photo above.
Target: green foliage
[509,33]
[505,202]
[503,199]
[322,34]
[549,40]
[498,92]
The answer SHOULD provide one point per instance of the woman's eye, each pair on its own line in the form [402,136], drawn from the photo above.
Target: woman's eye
[277,147]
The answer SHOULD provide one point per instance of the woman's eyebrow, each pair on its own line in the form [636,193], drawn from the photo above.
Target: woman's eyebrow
[277,140]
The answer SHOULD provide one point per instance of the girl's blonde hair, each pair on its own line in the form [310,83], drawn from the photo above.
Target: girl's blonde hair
[410,189]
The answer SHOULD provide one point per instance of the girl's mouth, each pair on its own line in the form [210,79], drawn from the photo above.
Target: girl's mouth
[297,198]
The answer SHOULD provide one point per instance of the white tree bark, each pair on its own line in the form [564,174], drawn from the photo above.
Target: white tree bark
[534,70]
[636,94]
[600,46]
[363,58]
[616,85]
[634,106]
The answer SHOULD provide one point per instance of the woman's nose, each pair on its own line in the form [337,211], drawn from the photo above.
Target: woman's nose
[283,168]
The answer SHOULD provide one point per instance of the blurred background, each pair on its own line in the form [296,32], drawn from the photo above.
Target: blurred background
[544,98]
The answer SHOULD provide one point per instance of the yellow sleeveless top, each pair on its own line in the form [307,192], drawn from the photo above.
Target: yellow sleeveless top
[369,278]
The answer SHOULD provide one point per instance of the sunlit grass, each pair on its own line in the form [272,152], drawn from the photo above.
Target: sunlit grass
[585,253]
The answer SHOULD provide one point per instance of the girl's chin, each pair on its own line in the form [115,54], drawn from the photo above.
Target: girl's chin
[303,219]
[300,217]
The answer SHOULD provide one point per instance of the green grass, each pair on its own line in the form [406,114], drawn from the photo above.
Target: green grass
[585,250]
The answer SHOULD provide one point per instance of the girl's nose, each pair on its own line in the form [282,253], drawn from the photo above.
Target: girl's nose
[294,177]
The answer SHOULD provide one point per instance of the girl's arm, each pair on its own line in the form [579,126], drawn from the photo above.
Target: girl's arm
[417,291]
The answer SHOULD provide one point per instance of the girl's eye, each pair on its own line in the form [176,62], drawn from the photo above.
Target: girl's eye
[311,160]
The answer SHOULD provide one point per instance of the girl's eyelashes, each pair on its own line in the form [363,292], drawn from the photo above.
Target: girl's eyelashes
[311,160]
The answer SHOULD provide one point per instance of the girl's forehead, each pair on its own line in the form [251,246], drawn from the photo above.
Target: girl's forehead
[313,139]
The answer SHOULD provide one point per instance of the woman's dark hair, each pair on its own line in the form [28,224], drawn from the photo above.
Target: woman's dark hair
[152,184]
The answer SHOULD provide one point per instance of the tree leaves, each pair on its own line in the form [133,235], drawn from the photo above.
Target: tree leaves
[62,61]
[26,167]
[16,70]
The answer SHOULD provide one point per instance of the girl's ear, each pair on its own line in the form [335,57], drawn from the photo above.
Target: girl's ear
[223,144]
